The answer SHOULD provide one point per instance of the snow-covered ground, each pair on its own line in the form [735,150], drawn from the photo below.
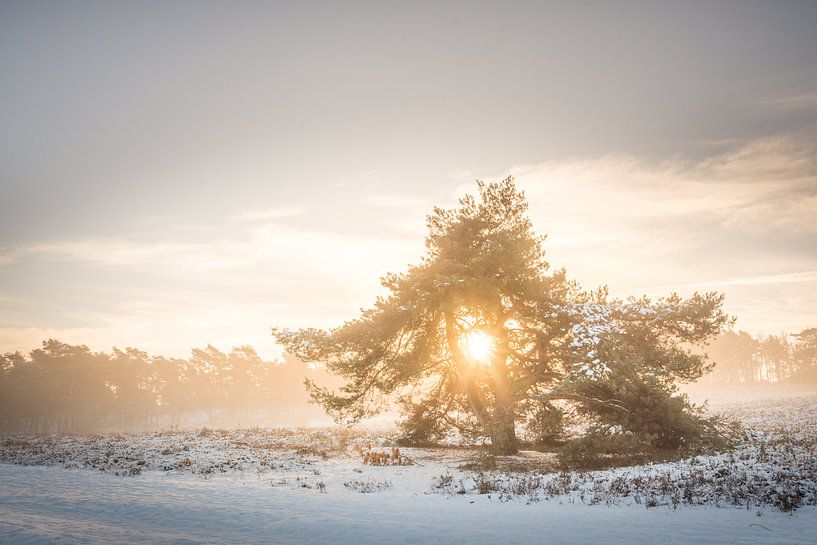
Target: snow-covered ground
[310,486]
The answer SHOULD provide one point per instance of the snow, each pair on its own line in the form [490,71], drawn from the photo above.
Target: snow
[41,505]
[596,322]
[310,486]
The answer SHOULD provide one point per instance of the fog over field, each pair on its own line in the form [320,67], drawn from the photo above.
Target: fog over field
[366,272]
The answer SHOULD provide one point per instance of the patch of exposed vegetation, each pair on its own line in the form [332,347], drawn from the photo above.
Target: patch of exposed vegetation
[773,464]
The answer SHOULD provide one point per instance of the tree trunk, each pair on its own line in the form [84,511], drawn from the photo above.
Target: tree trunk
[499,426]
[471,391]
[503,430]
[503,438]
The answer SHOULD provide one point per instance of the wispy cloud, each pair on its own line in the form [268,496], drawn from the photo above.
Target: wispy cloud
[307,252]
[795,102]
[462,175]
[394,201]
[764,183]
[111,251]
[787,278]
[742,222]
[269,214]
[766,186]
[169,296]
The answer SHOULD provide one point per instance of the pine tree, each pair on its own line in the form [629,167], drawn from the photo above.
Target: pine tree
[484,279]
[635,352]
[481,334]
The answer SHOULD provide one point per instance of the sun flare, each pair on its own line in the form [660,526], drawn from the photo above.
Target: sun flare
[478,347]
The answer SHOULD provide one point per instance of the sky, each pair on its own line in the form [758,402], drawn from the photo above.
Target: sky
[174,174]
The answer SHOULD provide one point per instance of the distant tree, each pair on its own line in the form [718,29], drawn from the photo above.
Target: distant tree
[241,378]
[736,357]
[173,387]
[208,367]
[12,389]
[805,356]
[482,335]
[774,354]
[130,379]
[739,358]
[69,385]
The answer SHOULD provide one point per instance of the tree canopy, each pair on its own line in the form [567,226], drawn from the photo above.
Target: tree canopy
[482,335]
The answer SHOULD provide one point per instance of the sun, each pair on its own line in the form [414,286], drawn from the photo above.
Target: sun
[478,347]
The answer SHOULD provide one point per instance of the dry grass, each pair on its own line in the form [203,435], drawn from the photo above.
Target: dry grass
[775,465]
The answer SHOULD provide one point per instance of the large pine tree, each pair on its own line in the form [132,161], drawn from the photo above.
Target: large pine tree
[481,333]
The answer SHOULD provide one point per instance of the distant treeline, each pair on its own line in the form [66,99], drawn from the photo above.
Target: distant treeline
[775,359]
[68,388]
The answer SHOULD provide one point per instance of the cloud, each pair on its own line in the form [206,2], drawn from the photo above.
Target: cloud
[787,278]
[797,102]
[395,201]
[733,221]
[166,297]
[462,175]
[742,222]
[732,187]
[799,95]
[269,214]
[308,251]
[769,184]
[111,251]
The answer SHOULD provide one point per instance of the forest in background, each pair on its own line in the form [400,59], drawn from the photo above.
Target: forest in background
[741,358]
[61,387]
[66,388]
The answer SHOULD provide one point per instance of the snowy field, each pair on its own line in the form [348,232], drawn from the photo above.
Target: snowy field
[311,486]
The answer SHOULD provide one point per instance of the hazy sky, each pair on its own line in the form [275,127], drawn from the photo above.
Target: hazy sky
[177,173]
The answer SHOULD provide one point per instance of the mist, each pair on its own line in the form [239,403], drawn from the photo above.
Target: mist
[408,272]
[62,388]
